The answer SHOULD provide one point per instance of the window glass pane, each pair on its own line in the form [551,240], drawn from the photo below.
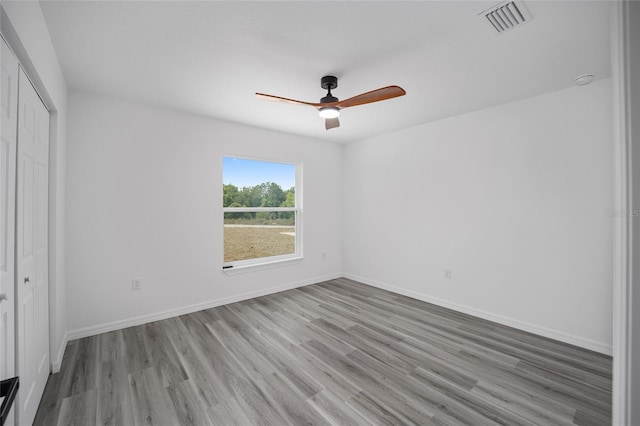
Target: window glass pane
[251,183]
[265,186]
[251,235]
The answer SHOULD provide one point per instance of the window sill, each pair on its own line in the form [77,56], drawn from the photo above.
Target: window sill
[243,269]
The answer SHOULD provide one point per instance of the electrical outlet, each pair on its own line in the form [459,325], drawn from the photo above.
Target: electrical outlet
[136,283]
[448,273]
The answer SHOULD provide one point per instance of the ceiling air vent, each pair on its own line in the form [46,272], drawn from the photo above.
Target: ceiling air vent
[507,15]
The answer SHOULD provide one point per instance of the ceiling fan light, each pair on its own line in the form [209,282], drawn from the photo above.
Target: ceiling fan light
[329,112]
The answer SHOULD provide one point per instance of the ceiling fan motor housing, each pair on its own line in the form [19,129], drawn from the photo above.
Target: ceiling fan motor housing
[328,82]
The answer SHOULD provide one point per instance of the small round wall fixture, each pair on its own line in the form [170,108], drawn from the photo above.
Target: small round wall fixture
[583,80]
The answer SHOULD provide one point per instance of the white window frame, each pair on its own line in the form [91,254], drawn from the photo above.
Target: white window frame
[257,263]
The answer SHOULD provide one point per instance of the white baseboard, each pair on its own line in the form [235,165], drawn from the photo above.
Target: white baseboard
[157,316]
[56,363]
[582,342]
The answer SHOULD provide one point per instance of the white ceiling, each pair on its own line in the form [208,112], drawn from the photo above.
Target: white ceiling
[210,57]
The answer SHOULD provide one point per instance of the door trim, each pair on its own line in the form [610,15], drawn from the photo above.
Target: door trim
[623,272]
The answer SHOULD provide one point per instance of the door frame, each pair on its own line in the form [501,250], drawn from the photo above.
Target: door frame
[625,323]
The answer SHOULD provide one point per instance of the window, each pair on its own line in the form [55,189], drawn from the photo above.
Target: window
[261,213]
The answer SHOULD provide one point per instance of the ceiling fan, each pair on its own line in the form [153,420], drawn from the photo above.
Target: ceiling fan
[329,107]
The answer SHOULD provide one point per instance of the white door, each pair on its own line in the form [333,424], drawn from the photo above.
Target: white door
[32,282]
[9,123]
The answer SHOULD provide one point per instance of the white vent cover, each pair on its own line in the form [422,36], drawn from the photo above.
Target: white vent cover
[506,15]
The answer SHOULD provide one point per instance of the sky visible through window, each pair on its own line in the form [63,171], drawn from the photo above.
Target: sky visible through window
[242,172]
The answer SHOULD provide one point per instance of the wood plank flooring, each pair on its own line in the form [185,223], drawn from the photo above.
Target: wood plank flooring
[340,353]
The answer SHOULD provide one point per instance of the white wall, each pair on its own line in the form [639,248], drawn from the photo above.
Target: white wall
[511,198]
[24,28]
[144,200]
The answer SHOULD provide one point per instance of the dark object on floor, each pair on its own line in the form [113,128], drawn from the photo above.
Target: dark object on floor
[8,391]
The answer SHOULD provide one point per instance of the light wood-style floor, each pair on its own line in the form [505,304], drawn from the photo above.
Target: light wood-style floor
[338,352]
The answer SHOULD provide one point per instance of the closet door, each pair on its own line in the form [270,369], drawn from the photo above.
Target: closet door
[9,123]
[32,249]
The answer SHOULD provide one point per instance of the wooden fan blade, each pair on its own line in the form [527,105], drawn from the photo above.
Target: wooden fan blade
[286,100]
[381,94]
[330,123]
